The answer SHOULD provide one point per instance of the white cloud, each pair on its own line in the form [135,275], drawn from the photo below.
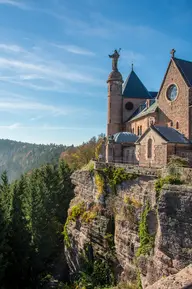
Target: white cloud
[37,70]
[14,126]
[75,49]
[11,48]
[19,105]
[17,4]
[19,126]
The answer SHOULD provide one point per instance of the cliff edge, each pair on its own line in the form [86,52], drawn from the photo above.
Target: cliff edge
[140,225]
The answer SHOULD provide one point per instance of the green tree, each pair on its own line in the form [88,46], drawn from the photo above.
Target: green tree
[5,202]
[19,239]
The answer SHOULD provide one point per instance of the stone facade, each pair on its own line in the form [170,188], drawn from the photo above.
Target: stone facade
[141,125]
[114,120]
[175,113]
[127,113]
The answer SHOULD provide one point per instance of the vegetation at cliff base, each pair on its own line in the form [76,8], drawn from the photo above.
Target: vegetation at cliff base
[33,210]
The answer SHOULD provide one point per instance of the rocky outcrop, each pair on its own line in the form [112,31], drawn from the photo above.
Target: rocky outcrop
[181,280]
[144,237]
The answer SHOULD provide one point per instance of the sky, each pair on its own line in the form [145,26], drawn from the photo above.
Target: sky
[54,60]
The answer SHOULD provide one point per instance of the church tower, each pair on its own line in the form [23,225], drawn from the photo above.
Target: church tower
[115,80]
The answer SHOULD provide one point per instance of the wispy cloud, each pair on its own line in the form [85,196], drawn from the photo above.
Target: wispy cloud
[14,125]
[19,126]
[75,49]
[17,4]
[14,105]
[11,48]
[35,69]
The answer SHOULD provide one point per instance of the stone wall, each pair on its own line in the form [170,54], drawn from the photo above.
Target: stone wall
[114,118]
[142,124]
[136,103]
[145,171]
[169,220]
[178,110]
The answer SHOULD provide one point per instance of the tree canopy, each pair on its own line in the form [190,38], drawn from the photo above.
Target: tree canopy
[33,211]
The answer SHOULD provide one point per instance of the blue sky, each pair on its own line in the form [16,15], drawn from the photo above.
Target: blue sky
[54,60]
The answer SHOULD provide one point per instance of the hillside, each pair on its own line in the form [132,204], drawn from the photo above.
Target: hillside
[19,157]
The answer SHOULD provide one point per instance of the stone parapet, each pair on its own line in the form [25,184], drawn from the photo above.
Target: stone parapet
[145,171]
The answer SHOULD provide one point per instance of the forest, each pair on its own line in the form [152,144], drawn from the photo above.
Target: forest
[18,158]
[33,210]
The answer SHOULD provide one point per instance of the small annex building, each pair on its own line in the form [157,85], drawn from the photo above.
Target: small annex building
[122,148]
[158,144]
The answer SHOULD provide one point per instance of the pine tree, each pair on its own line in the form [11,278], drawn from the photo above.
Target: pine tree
[5,200]
[19,239]
[65,193]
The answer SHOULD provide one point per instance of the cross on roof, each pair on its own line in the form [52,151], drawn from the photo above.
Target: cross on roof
[132,66]
[173,52]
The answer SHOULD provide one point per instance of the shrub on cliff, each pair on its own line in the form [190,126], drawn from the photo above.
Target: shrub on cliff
[146,240]
[178,161]
[172,180]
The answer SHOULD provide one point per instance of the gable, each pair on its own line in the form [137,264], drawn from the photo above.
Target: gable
[163,134]
[151,133]
[172,75]
[177,110]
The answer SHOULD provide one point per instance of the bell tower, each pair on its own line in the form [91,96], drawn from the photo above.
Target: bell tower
[115,101]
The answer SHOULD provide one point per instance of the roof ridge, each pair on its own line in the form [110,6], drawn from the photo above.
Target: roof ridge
[182,59]
[179,66]
[144,111]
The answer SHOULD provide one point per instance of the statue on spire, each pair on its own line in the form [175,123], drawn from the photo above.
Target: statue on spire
[115,56]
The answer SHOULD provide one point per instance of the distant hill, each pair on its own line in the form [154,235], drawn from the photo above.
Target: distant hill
[19,157]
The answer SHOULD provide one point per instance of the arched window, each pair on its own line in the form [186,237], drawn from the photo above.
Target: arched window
[177,125]
[149,148]
[141,130]
[138,131]
[133,130]
[171,123]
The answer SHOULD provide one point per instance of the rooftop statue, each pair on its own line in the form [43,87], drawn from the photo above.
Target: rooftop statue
[115,56]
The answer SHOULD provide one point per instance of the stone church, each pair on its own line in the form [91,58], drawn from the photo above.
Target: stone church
[147,127]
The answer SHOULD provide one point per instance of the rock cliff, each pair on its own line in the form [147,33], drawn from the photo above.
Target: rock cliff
[145,234]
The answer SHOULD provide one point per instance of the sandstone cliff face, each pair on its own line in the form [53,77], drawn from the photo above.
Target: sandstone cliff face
[181,280]
[117,220]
